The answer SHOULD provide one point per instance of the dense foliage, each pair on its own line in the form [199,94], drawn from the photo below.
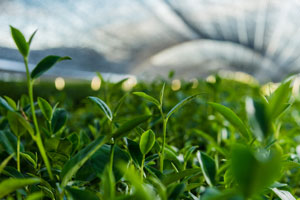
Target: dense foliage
[215,140]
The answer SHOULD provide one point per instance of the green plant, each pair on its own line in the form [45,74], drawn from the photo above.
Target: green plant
[234,142]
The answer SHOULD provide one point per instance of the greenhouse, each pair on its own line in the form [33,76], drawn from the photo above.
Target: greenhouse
[149,99]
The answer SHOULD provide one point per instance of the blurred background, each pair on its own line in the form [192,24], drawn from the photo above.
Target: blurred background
[146,39]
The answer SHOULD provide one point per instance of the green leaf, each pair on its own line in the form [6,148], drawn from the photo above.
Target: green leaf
[108,184]
[161,96]
[11,102]
[147,141]
[279,99]
[96,165]
[45,108]
[147,97]
[31,38]
[18,124]
[232,118]
[78,194]
[102,105]
[12,184]
[6,105]
[129,125]
[180,104]
[45,64]
[117,107]
[255,171]
[20,41]
[176,176]
[5,162]
[134,151]
[35,196]
[59,120]
[282,194]
[140,192]
[258,118]
[29,158]
[74,164]
[9,142]
[208,167]
[177,190]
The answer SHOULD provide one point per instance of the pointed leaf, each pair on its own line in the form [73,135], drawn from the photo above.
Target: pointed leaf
[108,184]
[147,141]
[283,195]
[180,104]
[11,102]
[208,167]
[45,64]
[102,105]
[6,105]
[31,38]
[12,184]
[147,97]
[75,163]
[129,125]
[45,108]
[20,41]
[18,124]
[5,162]
[161,96]
[232,118]
[59,119]
[176,176]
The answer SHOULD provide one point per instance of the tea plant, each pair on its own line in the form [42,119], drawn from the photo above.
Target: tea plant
[224,144]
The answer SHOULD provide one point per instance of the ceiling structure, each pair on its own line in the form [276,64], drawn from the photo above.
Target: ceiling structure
[148,38]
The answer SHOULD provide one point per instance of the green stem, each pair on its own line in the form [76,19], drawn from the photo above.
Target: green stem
[142,167]
[37,137]
[18,154]
[162,155]
[112,150]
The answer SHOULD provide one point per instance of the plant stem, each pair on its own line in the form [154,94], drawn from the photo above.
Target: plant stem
[18,154]
[112,150]
[142,167]
[163,145]
[37,137]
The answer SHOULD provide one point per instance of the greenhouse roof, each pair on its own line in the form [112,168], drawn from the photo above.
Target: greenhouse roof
[151,37]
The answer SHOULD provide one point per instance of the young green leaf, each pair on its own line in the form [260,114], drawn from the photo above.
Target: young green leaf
[20,41]
[11,102]
[12,184]
[6,105]
[45,108]
[232,118]
[5,162]
[9,141]
[31,38]
[279,99]
[161,96]
[208,167]
[59,119]
[129,125]
[108,184]
[176,191]
[147,141]
[173,177]
[45,64]
[147,97]
[102,105]
[282,194]
[35,196]
[254,171]
[18,124]
[75,163]
[180,104]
